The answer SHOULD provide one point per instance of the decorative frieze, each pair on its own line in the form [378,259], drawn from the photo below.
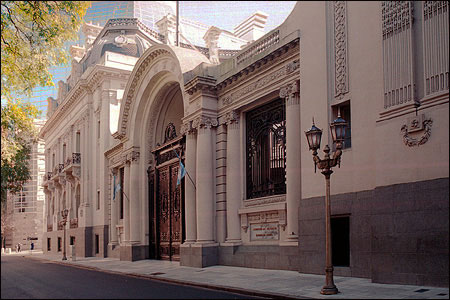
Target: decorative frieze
[261,83]
[340,49]
[265,200]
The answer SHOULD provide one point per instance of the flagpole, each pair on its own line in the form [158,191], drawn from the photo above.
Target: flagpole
[185,170]
[178,22]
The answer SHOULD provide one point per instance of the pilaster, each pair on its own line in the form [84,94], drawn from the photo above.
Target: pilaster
[291,93]
[205,175]
[189,188]
[233,178]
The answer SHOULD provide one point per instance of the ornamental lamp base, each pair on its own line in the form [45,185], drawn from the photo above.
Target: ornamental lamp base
[329,290]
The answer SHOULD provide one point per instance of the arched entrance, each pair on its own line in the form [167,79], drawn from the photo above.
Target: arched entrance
[153,99]
[166,194]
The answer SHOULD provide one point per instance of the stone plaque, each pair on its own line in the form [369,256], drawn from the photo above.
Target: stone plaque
[264,231]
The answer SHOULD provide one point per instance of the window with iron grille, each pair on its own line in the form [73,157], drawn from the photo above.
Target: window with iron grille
[266,150]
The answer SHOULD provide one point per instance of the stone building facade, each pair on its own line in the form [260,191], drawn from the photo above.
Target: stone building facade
[250,196]
[26,208]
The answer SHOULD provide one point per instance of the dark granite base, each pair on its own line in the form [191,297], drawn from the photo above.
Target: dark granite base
[262,256]
[133,252]
[199,256]
[398,233]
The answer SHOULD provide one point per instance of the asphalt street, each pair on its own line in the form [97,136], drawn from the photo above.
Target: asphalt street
[25,278]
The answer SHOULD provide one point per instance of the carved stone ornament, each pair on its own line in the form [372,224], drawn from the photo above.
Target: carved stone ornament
[340,49]
[202,121]
[133,156]
[290,90]
[231,117]
[417,124]
[170,132]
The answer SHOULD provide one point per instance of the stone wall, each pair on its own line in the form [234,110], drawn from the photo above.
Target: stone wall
[398,233]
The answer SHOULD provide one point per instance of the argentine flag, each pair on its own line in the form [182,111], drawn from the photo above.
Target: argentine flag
[116,188]
[181,173]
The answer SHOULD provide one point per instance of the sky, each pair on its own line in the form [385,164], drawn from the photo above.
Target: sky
[227,14]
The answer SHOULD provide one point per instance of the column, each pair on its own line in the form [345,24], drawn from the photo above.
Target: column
[205,180]
[114,204]
[233,178]
[126,202]
[189,188]
[293,166]
[134,202]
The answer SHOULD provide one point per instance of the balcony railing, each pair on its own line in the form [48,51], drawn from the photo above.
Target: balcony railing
[60,225]
[76,158]
[49,175]
[74,223]
[49,227]
[60,168]
[258,46]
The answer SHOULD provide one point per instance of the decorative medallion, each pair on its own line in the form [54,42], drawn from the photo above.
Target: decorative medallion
[417,124]
[120,40]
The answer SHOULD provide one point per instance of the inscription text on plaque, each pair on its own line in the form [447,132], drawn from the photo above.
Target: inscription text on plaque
[264,231]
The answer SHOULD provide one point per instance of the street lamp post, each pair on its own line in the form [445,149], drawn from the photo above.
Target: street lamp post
[64,215]
[314,136]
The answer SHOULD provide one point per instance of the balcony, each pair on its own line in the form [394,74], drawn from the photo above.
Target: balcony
[72,167]
[61,175]
[60,225]
[49,227]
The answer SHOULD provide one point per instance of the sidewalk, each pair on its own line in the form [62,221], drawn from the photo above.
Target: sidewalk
[257,282]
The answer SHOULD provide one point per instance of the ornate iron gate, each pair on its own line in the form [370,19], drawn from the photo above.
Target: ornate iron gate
[166,203]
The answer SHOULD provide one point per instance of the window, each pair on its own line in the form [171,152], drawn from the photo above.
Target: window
[49,244]
[415,50]
[77,200]
[64,153]
[340,241]
[59,244]
[121,192]
[266,150]
[53,161]
[344,110]
[98,200]
[98,129]
[97,244]
[77,142]
[72,240]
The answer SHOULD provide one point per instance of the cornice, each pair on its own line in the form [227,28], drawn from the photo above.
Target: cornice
[261,64]
[113,150]
[84,85]
[261,83]
[201,83]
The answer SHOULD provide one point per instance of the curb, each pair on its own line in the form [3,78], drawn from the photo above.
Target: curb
[177,281]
